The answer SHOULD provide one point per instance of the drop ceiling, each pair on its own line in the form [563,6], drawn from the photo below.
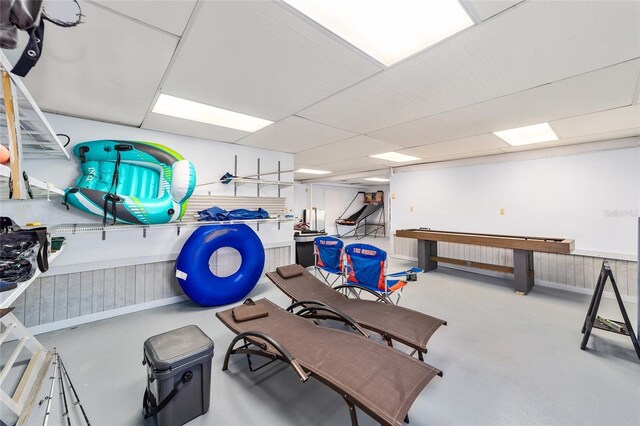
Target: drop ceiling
[574,64]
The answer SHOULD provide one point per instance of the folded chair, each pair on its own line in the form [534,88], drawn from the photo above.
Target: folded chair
[393,323]
[366,266]
[379,380]
[327,254]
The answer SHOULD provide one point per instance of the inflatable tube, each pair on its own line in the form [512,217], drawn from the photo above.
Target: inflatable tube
[150,182]
[203,286]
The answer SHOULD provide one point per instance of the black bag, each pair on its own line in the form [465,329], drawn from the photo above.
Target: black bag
[22,252]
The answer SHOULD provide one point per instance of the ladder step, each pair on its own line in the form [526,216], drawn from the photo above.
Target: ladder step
[29,375]
[30,392]
[7,332]
[12,359]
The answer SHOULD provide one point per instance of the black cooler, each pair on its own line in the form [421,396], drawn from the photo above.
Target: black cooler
[178,375]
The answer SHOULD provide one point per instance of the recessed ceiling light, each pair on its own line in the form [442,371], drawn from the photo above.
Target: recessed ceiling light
[535,133]
[312,171]
[387,30]
[376,179]
[195,111]
[394,156]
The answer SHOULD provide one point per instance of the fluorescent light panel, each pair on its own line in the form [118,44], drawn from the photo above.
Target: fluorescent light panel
[526,135]
[388,30]
[313,172]
[377,179]
[195,111]
[395,157]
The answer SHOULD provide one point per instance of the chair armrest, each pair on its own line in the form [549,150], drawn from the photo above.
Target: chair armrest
[413,270]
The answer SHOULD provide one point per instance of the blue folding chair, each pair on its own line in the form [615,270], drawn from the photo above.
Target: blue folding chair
[328,252]
[365,269]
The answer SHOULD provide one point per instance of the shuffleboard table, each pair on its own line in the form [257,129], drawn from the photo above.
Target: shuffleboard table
[523,248]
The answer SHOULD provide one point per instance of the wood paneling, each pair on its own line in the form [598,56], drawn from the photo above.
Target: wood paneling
[59,297]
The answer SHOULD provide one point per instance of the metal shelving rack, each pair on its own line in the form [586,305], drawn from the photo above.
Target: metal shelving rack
[39,188]
[257,180]
[26,131]
[83,228]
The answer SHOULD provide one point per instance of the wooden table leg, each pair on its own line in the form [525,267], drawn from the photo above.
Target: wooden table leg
[426,249]
[523,270]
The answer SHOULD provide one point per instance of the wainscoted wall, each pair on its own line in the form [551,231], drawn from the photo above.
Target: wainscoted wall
[575,271]
[51,299]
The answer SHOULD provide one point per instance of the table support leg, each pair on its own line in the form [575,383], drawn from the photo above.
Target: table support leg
[426,249]
[523,270]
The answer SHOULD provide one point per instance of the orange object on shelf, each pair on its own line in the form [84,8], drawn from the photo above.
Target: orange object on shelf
[4,154]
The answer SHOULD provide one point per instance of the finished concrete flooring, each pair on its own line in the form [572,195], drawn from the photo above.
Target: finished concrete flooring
[507,360]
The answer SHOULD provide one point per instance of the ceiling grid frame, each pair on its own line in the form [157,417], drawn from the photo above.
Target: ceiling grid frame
[606,118]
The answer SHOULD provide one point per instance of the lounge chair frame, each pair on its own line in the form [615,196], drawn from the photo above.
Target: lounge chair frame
[312,309]
[413,340]
[254,344]
[281,352]
[356,290]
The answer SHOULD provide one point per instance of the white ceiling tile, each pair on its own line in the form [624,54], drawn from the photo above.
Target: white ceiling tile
[533,44]
[462,155]
[262,59]
[355,164]
[485,9]
[355,147]
[108,68]
[595,91]
[473,144]
[294,134]
[165,123]
[599,122]
[303,166]
[168,15]
[617,134]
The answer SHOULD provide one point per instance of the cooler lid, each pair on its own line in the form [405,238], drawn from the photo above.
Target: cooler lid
[177,347]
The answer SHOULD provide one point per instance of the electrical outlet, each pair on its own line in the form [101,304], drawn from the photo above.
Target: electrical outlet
[393,195]
[501,211]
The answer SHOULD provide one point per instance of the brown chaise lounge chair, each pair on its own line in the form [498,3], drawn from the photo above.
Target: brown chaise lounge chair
[403,325]
[379,380]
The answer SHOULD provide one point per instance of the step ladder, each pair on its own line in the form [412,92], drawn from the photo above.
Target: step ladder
[17,407]
[593,320]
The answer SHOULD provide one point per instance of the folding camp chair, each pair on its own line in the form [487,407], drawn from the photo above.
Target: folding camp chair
[327,254]
[366,266]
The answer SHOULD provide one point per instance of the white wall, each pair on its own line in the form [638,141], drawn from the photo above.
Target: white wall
[211,159]
[301,199]
[334,199]
[592,198]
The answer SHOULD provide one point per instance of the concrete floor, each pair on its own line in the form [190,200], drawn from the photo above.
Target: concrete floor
[507,359]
